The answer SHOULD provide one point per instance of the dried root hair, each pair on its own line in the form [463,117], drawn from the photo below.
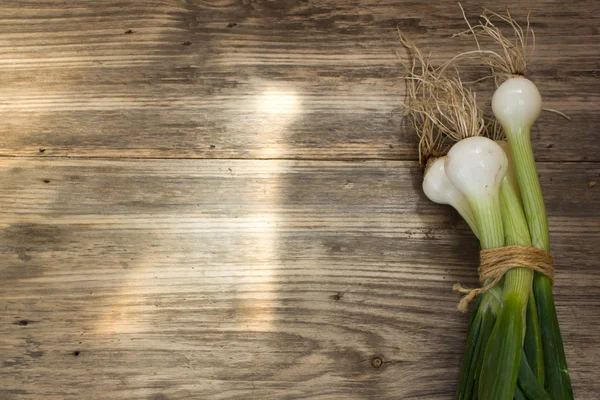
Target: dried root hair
[513,54]
[440,108]
[418,106]
[493,129]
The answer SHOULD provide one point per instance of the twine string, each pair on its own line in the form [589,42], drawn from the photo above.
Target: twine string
[494,263]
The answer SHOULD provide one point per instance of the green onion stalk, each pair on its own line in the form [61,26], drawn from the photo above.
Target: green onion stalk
[477,166]
[516,105]
[438,188]
[503,355]
[512,212]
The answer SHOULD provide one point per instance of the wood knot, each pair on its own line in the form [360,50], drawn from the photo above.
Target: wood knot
[338,296]
[376,362]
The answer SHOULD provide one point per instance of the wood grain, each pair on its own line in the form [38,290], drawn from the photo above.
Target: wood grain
[216,199]
[214,279]
[260,79]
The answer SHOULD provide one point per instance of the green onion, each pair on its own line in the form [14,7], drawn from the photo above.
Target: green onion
[528,382]
[480,327]
[533,340]
[519,395]
[437,188]
[516,104]
[514,347]
[503,353]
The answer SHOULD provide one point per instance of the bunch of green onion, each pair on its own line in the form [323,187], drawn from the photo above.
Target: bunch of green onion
[514,347]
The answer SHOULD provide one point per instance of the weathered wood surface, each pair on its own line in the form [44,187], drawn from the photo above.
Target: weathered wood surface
[77,84]
[260,279]
[241,216]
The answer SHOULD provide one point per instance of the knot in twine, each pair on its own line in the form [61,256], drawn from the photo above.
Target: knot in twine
[494,263]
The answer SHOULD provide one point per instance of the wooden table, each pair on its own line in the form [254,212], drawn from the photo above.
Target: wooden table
[214,199]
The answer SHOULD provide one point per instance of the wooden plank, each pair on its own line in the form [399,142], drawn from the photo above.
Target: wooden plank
[260,79]
[166,279]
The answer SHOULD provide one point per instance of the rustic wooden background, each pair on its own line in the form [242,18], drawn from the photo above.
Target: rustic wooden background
[217,199]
